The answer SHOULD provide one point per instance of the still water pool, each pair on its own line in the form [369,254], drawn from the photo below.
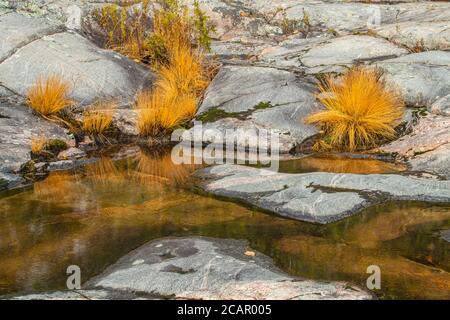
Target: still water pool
[94,215]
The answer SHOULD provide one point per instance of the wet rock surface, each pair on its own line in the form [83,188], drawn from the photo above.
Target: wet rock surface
[316,197]
[206,268]
[200,268]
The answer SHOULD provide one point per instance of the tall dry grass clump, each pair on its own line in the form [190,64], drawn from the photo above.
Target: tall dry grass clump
[98,118]
[38,144]
[360,110]
[49,94]
[125,27]
[181,73]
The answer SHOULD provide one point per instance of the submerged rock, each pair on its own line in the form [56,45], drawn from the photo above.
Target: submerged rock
[317,197]
[205,268]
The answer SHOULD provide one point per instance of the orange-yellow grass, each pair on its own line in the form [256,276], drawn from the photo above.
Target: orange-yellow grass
[99,118]
[38,144]
[180,80]
[49,94]
[160,111]
[359,110]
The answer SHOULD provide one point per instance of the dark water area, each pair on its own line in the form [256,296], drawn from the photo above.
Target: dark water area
[92,216]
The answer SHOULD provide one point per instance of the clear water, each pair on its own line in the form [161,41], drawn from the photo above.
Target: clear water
[92,216]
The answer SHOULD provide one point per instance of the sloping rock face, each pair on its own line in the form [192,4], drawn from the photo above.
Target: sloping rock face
[422,78]
[335,54]
[34,47]
[420,35]
[256,98]
[205,268]
[426,147]
[317,197]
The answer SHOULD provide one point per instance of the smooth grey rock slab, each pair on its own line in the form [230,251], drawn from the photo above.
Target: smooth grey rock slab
[427,134]
[206,268]
[93,73]
[317,197]
[18,30]
[348,50]
[238,91]
[429,35]
[18,125]
[436,161]
[240,134]
[422,78]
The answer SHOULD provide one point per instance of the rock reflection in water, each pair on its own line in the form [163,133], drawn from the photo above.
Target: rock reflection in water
[95,215]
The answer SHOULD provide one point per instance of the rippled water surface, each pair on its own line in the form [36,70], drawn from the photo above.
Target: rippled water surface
[92,216]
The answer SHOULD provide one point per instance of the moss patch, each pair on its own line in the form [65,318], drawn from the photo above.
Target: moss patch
[214,114]
[55,146]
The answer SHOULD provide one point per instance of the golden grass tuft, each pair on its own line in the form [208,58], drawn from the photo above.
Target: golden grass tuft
[38,144]
[99,118]
[161,111]
[360,110]
[49,94]
[180,81]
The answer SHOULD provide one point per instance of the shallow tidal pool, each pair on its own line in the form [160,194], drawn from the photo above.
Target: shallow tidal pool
[92,216]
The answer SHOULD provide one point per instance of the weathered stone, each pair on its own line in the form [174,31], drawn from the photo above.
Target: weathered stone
[240,89]
[18,125]
[71,154]
[427,134]
[337,53]
[205,268]
[126,121]
[441,106]
[419,35]
[94,73]
[19,31]
[436,161]
[260,98]
[317,197]
[422,78]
